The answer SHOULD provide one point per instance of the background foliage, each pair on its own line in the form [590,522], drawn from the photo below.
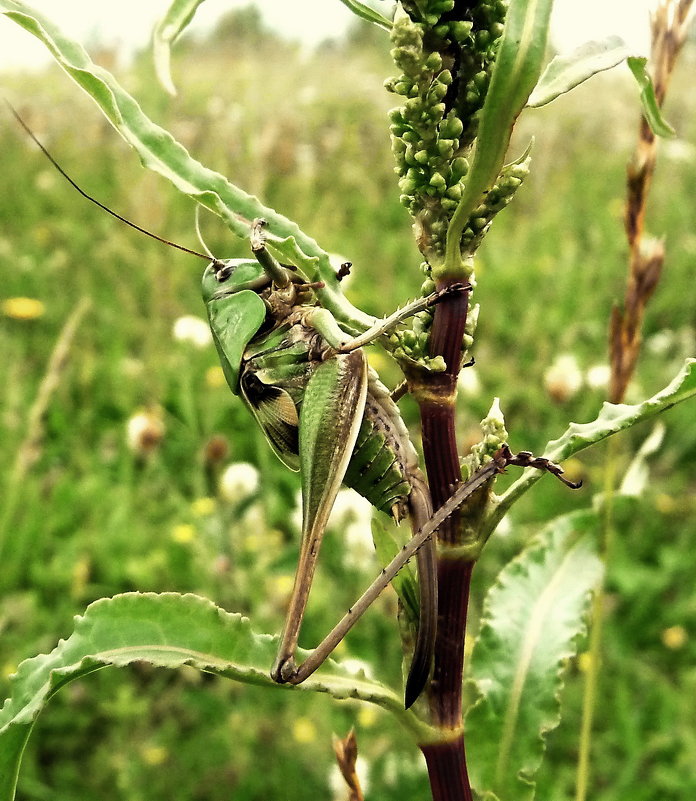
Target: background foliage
[308,134]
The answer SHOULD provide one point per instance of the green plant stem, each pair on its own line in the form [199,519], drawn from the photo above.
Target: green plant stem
[589,701]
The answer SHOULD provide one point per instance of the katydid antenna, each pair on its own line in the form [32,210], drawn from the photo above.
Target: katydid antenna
[96,202]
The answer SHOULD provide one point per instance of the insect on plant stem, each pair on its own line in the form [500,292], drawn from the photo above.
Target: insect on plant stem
[326,414]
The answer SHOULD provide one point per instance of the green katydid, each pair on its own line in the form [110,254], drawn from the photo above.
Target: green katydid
[325,413]
[322,409]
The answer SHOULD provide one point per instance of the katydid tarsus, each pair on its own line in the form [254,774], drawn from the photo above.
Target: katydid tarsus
[326,414]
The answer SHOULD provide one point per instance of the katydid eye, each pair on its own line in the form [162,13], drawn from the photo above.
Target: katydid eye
[223,273]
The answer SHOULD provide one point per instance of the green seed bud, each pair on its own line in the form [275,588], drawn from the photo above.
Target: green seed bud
[409,339]
[460,30]
[445,147]
[427,287]
[483,39]
[481,80]
[434,62]
[511,183]
[445,77]
[451,128]
[454,192]
[421,156]
[496,30]
[395,116]
[460,167]
[438,181]
[437,92]
[405,200]
[437,112]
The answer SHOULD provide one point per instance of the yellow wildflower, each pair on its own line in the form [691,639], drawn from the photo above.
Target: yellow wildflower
[23,308]
[214,377]
[183,533]
[674,637]
[304,731]
[154,754]
[202,507]
[282,585]
[665,503]
[367,716]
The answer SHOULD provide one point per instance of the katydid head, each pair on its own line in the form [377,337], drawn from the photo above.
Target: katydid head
[236,311]
[224,278]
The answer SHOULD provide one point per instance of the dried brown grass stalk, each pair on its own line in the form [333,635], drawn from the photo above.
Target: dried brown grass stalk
[30,448]
[346,751]
[668,26]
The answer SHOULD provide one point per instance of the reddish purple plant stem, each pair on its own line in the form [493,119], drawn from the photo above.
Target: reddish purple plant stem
[449,780]
[447,761]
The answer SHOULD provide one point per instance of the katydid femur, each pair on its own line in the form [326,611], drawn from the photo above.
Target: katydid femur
[326,414]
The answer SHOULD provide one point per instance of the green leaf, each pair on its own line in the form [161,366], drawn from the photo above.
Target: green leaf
[651,110]
[178,16]
[638,473]
[517,67]
[368,13]
[167,630]
[533,616]
[404,582]
[612,419]
[160,152]
[565,72]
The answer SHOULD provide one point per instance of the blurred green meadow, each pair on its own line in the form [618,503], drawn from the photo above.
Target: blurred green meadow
[122,482]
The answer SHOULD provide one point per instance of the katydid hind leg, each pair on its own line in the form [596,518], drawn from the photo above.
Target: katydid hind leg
[330,418]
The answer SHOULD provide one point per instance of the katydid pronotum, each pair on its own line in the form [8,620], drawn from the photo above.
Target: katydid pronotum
[325,412]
